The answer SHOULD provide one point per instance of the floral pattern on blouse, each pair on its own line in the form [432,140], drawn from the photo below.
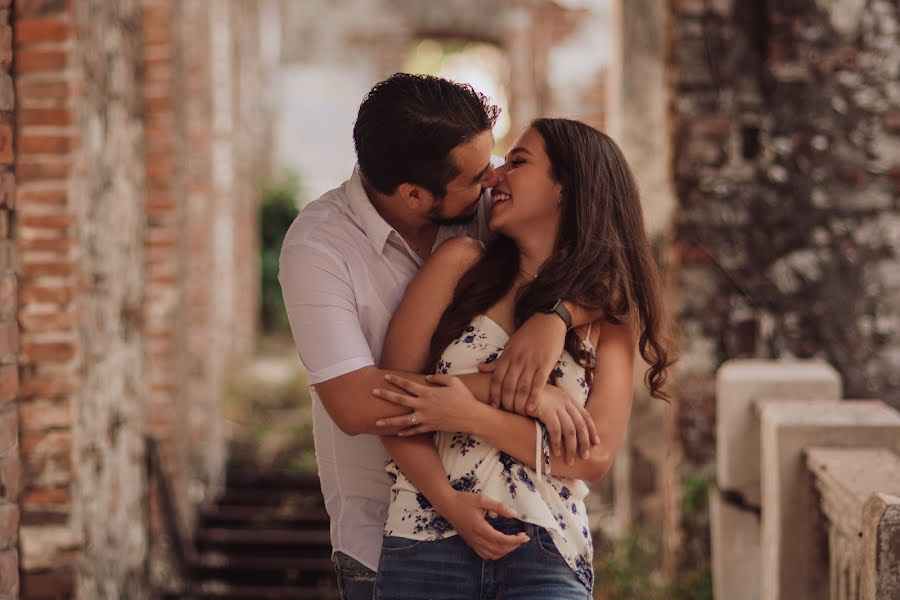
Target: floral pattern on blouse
[472,465]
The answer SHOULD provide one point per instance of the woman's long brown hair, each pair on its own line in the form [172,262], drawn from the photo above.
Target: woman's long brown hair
[601,260]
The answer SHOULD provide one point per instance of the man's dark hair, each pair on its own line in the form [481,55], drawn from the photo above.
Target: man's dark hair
[408,124]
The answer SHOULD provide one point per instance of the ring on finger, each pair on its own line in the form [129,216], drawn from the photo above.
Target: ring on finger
[413,418]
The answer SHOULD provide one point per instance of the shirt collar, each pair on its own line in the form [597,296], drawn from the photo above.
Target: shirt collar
[375,227]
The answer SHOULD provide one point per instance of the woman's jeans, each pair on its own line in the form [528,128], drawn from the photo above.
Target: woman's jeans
[449,570]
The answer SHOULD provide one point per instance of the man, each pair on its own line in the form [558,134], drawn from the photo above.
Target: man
[424,162]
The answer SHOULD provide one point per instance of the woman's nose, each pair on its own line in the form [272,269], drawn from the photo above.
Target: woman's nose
[490,177]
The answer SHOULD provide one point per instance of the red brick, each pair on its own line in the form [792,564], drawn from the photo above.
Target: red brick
[54,196]
[6,144]
[61,221]
[44,498]
[45,116]
[5,46]
[9,431]
[45,144]
[41,415]
[56,583]
[42,90]
[7,190]
[690,254]
[41,292]
[892,120]
[9,573]
[47,386]
[9,340]
[39,268]
[34,61]
[61,247]
[9,524]
[10,477]
[41,170]
[41,30]
[29,9]
[9,383]
[38,352]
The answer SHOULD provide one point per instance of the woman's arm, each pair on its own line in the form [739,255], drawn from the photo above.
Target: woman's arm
[406,348]
[609,404]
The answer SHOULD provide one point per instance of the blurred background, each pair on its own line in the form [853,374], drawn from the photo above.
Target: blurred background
[155,434]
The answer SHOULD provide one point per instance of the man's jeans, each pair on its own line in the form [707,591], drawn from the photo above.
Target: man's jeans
[355,580]
[449,570]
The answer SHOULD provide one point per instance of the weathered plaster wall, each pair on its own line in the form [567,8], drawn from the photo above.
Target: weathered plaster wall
[786,133]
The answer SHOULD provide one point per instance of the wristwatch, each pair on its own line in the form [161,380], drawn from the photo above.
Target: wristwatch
[560,309]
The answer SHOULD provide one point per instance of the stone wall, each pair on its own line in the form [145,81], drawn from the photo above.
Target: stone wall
[10,465]
[114,238]
[786,138]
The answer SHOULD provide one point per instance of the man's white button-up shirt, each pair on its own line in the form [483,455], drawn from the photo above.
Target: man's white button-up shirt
[343,271]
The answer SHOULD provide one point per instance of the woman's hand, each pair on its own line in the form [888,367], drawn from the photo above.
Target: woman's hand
[446,405]
[521,373]
[466,512]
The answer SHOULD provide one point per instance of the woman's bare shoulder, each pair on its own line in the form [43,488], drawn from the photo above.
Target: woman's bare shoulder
[458,253]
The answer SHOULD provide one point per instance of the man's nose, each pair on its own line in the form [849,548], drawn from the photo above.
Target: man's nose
[490,177]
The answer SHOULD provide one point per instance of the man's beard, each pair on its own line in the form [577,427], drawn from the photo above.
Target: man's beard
[462,219]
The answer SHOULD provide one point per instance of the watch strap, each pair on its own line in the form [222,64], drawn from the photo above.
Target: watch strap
[560,309]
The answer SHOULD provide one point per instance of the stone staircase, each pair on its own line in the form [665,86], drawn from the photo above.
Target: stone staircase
[266,538]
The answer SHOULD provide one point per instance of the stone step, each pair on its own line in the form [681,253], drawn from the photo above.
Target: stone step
[223,591]
[265,542]
[259,496]
[248,516]
[252,569]
[273,481]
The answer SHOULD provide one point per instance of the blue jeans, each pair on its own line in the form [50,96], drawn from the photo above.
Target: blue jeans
[355,580]
[449,570]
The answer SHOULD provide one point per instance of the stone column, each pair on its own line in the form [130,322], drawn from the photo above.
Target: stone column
[735,505]
[10,465]
[794,541]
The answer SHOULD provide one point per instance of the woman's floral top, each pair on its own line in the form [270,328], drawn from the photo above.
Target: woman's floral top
[555,503]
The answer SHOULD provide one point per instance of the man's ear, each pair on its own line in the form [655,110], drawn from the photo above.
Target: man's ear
[416,197]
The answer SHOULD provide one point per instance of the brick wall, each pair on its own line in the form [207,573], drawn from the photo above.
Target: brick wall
[10,465]
[786,145]
[48,313]
[113,240]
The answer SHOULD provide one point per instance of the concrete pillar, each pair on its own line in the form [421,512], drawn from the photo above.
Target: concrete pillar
[859,491]
[734,506]
[881,538]
[794,545]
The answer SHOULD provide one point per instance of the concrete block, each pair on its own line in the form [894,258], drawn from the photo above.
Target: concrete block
[735,550]
[794,541]
[739,383]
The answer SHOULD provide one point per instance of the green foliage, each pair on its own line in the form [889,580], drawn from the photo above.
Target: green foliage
[631,569]
[695,492]
[277,211]
[268,411]
[624,570]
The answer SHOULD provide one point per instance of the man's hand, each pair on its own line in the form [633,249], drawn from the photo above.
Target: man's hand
[568,424]
[447,405]
[466,512]
[530,355]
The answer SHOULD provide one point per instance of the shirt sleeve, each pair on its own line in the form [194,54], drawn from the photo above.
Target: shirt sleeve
[321,308]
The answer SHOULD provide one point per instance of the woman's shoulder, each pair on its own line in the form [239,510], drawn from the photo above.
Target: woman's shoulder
[458,253]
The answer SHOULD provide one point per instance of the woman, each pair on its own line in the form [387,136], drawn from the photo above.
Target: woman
[568,216]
